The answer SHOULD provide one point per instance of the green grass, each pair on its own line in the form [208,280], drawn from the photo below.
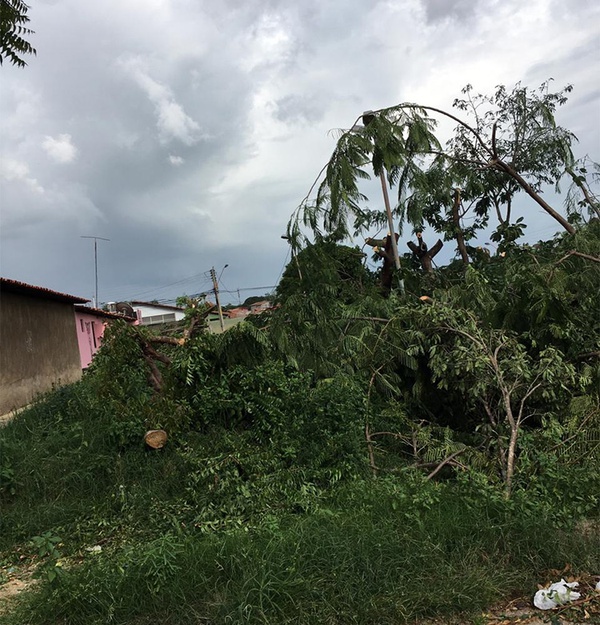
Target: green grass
[214,529]
[388,562]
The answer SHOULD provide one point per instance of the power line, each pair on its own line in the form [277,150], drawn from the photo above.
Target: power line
[251,288]
[205,274]
[225,290]
[284,263]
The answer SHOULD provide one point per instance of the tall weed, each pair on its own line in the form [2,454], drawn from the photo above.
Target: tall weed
[384,552]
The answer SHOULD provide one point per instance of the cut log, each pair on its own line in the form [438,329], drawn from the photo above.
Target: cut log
[155,439]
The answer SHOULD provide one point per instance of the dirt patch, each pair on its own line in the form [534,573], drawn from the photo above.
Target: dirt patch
[13,587]
[590,528]
[579,613]
[585,611]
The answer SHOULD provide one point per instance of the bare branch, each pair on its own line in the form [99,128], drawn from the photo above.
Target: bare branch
[494,149]
[595,259]
[444,462]
[466,335]
[588,355]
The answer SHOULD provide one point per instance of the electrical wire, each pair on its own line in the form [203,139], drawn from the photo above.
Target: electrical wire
[249,288]
[285,262]
[205,274]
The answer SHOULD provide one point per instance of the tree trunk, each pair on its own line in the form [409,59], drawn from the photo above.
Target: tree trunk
[510,459]
[384,249]
[424,255]
[460,238]
[514,433]
[506,168]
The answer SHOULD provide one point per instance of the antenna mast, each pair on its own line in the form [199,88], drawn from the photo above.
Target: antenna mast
[96,263]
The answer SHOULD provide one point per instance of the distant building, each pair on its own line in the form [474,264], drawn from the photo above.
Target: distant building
[258,307]
[150,314]
[236,313]
[38,342]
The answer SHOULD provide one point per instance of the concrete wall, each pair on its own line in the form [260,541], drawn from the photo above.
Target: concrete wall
[38,348]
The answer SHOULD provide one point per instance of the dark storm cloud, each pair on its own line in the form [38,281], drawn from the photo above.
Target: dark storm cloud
[127,134]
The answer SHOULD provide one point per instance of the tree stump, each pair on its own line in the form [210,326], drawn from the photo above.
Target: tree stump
[155,439]
[423,254]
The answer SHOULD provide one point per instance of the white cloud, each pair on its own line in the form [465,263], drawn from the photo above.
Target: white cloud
[12,170]
[270,42]
[60,149]
[176,161]
[172,121]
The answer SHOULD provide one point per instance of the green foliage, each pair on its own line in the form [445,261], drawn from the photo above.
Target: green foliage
[253,299]
[196,313]
[8,485]
[582,195]
[328,463]
[118,371]
[334,271]
[510,131]
[519,126]
[46,547]
[159,562]
[392,142]
[356,559]
[13,17]
[503,144]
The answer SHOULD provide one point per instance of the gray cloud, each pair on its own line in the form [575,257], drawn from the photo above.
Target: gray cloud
[295,108]
[187,132]
[437,10]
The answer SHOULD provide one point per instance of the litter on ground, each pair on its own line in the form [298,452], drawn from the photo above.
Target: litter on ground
[556,594]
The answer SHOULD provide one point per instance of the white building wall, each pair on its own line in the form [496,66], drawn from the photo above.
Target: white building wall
[150,314]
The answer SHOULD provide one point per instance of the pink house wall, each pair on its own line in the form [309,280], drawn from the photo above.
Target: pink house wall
[90,329]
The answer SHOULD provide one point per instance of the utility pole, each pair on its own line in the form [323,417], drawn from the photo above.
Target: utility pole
[213,275]
[96,263]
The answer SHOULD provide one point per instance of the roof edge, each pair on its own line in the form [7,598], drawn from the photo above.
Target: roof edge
[22,288]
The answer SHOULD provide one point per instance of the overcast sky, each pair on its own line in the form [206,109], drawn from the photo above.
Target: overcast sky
[187,131]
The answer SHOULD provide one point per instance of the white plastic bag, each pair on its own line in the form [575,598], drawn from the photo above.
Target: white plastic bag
[557,594]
